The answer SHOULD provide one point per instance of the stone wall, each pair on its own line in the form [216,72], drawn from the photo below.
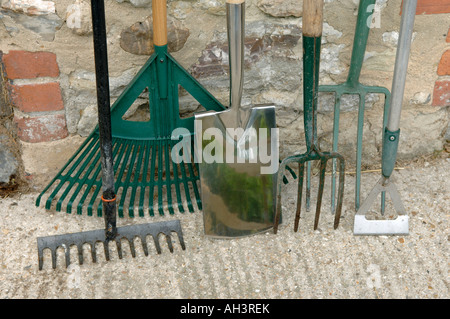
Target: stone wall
[48,55]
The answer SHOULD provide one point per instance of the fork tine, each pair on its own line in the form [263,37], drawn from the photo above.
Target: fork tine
[301,172]
[323,166]
[340,192]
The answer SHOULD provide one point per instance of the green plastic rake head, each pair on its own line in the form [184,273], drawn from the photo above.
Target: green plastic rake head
[143,166]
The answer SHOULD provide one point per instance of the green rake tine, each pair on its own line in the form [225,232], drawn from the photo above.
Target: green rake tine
[167,158]
[137,174]
[86,192]
[66,177]
[144,178]
[193,180]
[81,182]
[120,177]
[186,186]
[79,169]
[177,184]
[160,178]
[152,179]
[94,196]
[129,173]
[98,182]
[82,147]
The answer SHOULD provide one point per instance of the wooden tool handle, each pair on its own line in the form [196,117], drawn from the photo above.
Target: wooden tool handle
[312,17]
[159,8]
[235,1]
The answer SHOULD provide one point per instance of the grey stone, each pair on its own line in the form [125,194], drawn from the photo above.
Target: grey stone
[281,8]
[215,7]
[8,164]
[421,98]
[138,39]
[44,25]
[78,17]
[137,3]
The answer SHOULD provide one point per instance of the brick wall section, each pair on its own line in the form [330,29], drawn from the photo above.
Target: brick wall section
[433,6]
[444,64]
[441,94]
[441,91]
[30,65]
[36,95]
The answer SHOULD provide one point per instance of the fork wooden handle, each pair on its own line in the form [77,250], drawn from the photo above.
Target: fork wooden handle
[312,18]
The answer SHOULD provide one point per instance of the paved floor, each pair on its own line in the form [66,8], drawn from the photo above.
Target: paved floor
[325,263]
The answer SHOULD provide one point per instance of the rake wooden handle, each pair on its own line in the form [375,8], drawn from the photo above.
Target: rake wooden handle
[159,8]
[312,17]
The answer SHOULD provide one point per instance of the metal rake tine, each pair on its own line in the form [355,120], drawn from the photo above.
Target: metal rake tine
[66,254]
[119,247]
[53,258]
[106,248]
[158,247]
[80,254]
[301,172]
[93,253]
[144,245]
[132,248]
[169,242]
[181,239]
[323,166]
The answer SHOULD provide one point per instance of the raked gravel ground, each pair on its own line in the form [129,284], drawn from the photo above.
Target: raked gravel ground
[325,263]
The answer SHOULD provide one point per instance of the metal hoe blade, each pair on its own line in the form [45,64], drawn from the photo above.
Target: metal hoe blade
[398,226]
[91,238]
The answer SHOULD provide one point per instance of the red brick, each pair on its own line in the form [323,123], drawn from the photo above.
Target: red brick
[432,6]
[441,94]
[44,128]
[30,65]
[444,64]
[37,97]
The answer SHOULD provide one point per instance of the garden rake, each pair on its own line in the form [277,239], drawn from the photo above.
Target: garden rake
[312,36]
[111,233]
[352,86]
[141,150]
[399,225]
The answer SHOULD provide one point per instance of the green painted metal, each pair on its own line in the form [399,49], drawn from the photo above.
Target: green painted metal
[144,170]
[390,146]
[352,86]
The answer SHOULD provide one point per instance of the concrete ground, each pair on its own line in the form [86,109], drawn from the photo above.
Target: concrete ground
[325,263]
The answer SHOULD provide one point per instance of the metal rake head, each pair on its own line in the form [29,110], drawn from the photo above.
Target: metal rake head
[302,159]
[130,233]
